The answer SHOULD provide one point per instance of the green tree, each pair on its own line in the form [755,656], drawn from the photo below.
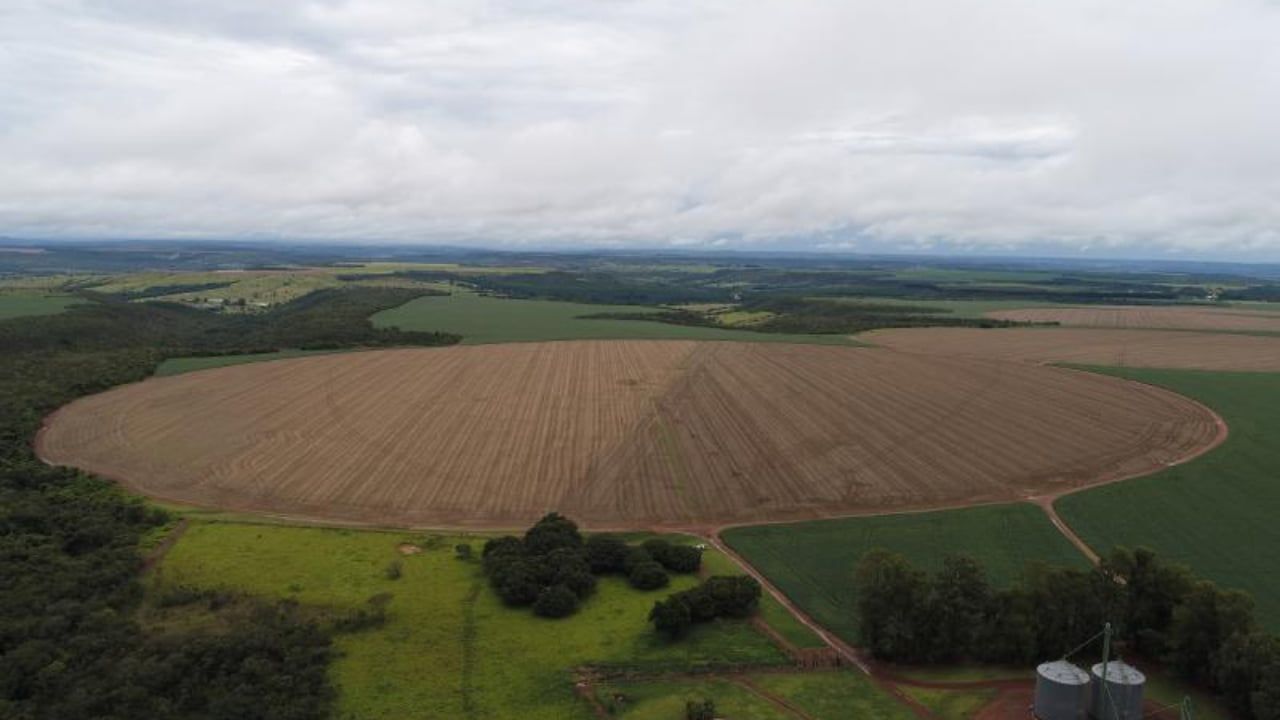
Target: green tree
[891,601]
[605,553]
[556,601]
[551,532]
[1239,666]
[648,576]
[959,601]
[1202,624]
[671,617]
[1266,699]
[1153,588]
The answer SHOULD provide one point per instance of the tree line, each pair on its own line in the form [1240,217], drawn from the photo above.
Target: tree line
[70,646]
[1160,610]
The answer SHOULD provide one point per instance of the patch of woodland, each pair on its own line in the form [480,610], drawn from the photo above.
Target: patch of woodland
[1160,611]
[553,569]
[818,316]
[719,596]
[71,645]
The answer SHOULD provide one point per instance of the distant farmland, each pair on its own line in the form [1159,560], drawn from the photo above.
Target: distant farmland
[1086,346]
[1177,317]
[481,319]
[628,433]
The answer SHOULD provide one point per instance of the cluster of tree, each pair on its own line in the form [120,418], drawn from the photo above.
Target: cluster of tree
[602,287]
[69,642]
[819,316]
[325,319]
[553,569]
[173,289]
[1160,610]
[731,596]
[826,316]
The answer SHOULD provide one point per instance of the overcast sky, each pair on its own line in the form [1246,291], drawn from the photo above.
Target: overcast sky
[1133,127]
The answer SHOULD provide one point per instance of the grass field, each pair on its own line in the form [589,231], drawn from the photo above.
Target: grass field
[14,305]
[450,649]
[177,366]
[482,319]
[1217,513]
[951,704]
[813,562]
[834,695]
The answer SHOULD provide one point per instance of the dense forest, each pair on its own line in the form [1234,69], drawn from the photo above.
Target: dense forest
[1161,612]
[70,646]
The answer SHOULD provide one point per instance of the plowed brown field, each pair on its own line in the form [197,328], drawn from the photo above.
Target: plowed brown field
[630,433]
[1131,348]
[1160,318]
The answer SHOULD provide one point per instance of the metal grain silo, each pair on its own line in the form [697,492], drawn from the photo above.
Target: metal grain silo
[1062,691]
[1125,683]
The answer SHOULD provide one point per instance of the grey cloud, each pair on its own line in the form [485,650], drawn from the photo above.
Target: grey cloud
[983,125]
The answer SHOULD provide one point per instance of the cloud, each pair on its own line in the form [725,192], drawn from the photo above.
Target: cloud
[979,125]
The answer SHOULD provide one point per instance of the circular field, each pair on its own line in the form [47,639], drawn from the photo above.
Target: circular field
[620,434]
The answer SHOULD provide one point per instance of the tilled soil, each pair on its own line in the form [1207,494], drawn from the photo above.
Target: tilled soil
[621,433]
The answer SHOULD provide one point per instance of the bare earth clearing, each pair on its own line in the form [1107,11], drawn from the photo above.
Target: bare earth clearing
[1160,318]
[1125,348]
[621,433]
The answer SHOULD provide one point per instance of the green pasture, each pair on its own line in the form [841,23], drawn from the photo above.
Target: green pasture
[1217,513]
[483,319]
[21,304]
[450,648]
[832,695]
[177,366]
[813,562]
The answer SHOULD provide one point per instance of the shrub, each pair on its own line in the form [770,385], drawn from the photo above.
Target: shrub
[648,576]
[515,582]
[735,595]
[551,532]
[705,710]
[635,556]
[719,596]
[671,617]
[462,551]
[556,601]
[393,570]
[579,580]
[606,553]
[504,546]
[681,559]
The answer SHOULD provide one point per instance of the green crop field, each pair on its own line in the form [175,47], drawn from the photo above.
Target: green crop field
[177,366]
[14,305]
[813,562]
[833,695]
[449,648]
[1217,513]
[482,319]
